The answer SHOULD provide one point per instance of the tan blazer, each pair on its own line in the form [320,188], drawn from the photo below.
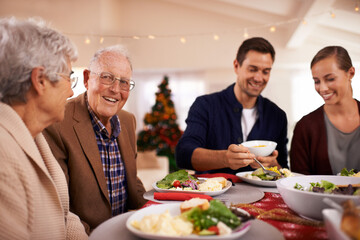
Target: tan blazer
[73,143]
[34,201]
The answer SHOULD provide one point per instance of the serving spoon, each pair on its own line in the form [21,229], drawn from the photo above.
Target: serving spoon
[271,173]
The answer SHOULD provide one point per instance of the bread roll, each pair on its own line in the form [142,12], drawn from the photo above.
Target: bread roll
[194,202]
[350,222]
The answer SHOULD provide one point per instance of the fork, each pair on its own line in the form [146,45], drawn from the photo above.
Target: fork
[271,173]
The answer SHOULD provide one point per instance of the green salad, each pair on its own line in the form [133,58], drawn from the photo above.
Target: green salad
[329,187]
[349,173]
[203,220]
[176,179]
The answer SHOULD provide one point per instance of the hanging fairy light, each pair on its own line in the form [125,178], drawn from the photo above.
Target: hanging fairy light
[357,6]
[332,14]
[183,40]
[246,35]
[87,40]
[272,27]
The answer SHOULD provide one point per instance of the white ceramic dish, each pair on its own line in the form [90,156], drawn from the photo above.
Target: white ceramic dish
[210,193]
[263,183]
[310,204]
[260,147]
[174,210]
[332,220]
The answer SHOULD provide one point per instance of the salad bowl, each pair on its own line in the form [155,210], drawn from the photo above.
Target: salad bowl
[310,204]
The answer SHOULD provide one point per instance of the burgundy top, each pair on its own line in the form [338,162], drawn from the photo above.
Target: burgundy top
[309,151]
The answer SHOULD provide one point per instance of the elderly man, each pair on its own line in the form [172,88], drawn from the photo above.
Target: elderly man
[217,123]
[96,142]
[35,81]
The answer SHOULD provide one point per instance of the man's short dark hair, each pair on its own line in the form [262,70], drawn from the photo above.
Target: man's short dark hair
[257,44]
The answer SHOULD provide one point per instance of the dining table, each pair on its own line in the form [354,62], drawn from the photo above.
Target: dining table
[273,219]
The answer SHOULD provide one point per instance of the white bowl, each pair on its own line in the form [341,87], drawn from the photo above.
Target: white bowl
[260,148]
[310,204]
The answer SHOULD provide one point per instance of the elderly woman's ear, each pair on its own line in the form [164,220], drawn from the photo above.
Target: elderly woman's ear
[38,79]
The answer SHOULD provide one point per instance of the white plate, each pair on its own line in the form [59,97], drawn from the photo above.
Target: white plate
[241,175]
[240,193]
[263,183]
[174,210]
[332,219]
[115,227]
[210,193]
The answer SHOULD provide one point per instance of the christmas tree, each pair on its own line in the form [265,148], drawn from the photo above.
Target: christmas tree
[161,132]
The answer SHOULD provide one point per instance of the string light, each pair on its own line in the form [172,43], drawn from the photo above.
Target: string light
[246,35]
[183,37]
[332,14]
[357,6]
[87,40]
[183,40]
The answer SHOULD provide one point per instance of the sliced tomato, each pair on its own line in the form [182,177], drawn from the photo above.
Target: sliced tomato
[214,229]
[176,183]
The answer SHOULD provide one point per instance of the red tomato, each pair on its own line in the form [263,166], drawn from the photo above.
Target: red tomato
[176,183]
[214,229]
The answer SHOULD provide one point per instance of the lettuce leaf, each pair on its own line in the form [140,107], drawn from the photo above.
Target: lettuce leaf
[217,212]
[181,175]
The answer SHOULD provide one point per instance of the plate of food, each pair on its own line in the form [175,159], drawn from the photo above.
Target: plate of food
[182,181]
[349,173]
[312,189]
[258,177]
[178,221]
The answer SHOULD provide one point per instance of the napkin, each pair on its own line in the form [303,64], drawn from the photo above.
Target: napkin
[228,176]
[178,196]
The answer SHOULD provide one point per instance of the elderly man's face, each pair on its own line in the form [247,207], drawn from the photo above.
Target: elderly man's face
[107,100]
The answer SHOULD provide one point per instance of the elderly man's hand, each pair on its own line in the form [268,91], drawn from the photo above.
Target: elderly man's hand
[238,156]
[269,161]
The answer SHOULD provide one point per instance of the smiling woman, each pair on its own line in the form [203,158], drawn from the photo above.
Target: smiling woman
[327,140]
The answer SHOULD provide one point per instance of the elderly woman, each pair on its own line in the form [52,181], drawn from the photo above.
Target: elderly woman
[35,81]
[328,139]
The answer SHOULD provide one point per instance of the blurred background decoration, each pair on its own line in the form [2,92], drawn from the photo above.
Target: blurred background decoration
[161,131]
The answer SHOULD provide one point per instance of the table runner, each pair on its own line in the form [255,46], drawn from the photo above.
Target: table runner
[273,210]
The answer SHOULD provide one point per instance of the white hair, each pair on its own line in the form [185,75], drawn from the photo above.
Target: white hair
[24,45]
[117,49]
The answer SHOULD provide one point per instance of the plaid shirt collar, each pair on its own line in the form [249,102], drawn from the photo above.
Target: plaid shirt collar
[99,127]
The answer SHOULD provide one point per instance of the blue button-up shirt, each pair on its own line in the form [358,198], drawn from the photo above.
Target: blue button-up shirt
[214,122]
[113,165]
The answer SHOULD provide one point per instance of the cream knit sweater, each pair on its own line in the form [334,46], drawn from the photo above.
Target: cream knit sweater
[34,202]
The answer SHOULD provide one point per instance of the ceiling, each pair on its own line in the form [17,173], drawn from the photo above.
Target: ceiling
[302,27]
[323,21]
